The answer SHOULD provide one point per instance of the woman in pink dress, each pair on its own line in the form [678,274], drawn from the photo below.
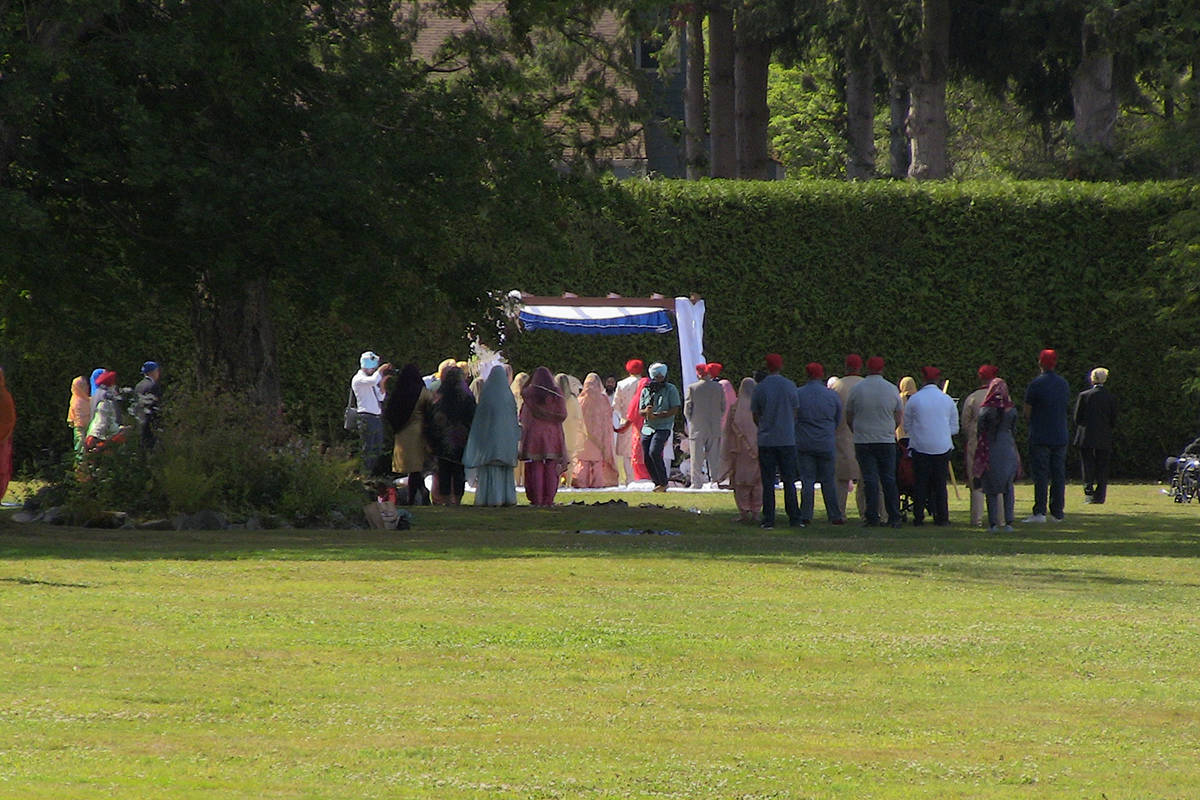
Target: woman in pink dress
[634,416]
[543,446]
[739,455]
[595,456]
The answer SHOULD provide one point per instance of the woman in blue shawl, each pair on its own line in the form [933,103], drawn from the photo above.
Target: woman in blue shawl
[492,444]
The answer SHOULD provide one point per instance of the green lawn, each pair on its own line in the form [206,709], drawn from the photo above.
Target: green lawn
[500,654]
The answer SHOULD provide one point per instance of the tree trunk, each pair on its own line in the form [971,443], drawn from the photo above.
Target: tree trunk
[1094,96]
[898,144]
[695,152]
[752,61]
[927,126]
[235,340]
[721,125]
[860,112]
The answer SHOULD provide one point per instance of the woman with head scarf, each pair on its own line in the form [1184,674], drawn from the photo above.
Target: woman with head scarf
[595,457]
[518,384]
[492,445]
[447,430]
[79,414]
[407,406]
[730,399]
[8,423]
[739,455]
[969,426]
[567,385]
[637,458]
[996,460]
[543,446]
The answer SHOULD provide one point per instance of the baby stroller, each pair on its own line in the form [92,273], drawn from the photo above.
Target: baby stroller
[1185,474]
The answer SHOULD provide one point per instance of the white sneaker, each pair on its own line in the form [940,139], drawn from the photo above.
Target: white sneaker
[1036,518]
[1059,519]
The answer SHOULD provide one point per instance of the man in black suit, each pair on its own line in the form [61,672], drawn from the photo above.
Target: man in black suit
[1095,416]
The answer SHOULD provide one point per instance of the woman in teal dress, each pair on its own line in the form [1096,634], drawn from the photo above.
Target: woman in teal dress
[492,444]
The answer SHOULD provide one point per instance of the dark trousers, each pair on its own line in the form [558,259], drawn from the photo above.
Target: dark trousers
[417,493]
[1048,466]
[781,461]
[931,472]
[1095,472]
[878,465]
[652,452]
[452,480]
[817,467]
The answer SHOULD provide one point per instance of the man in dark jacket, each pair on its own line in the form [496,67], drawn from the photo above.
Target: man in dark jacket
[1095,416]
[147,397]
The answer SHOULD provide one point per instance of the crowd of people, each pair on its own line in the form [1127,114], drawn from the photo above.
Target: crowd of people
[857,433]
[97,413]
[851,433]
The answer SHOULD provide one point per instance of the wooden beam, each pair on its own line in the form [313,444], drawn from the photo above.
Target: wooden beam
[667,303]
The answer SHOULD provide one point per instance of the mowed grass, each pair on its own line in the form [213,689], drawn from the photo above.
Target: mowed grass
[501,654]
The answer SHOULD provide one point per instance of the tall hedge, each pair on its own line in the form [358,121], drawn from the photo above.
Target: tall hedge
[948,274]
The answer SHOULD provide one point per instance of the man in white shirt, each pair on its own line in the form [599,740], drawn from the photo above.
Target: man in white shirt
[931,418]
[367,386]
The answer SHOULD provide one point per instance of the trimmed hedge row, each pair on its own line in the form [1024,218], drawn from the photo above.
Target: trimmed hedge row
[948,274]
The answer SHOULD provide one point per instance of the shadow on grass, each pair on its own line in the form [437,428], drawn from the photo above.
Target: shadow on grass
[523,532]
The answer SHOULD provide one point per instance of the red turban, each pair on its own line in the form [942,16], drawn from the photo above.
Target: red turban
[854,363]
[814,370]
[931,374]
[987,372]
[714,369]
[635,366]
[107,378]
[701,370]
[1048,359]
[874,364]
[774,362]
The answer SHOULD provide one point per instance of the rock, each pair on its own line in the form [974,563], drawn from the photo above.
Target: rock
[206,520]
[56,515]
[27,516]
[109,520]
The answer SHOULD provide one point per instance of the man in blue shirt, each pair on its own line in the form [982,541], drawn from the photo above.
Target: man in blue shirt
[1046,401]
[773,405]
[659,403]
[818,414]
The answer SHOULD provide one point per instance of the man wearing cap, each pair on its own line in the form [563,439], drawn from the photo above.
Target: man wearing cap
[703,408]
[1046,401]
[1095,416]
[970,430]
[367,386]
[873,413]
[658,404]
[773,406]
[931,419]
[627,437]
[818,414]
[147,398]
[846,468]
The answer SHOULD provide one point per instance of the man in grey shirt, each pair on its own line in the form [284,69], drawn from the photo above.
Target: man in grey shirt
[873,412]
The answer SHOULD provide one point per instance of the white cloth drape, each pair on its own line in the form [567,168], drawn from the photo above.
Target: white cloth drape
[689,317]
